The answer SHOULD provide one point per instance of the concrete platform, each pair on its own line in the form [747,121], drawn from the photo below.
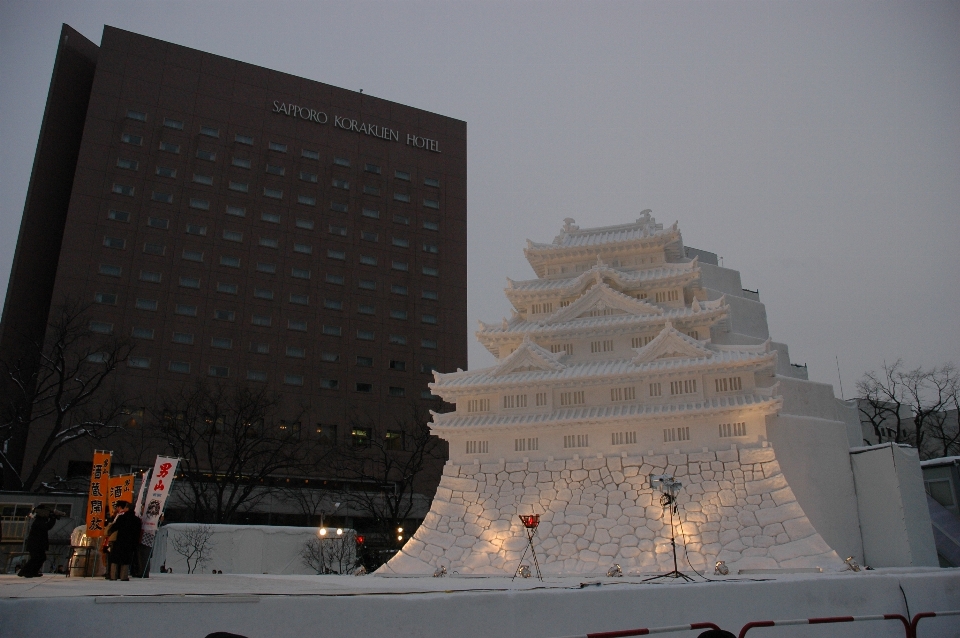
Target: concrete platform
[344,606]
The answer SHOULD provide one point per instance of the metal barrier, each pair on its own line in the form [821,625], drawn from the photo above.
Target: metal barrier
[646,631]
[928,614]
[824,621]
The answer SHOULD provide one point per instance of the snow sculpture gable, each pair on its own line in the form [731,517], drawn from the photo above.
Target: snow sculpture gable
[529,356]
[670,344]
[602,299]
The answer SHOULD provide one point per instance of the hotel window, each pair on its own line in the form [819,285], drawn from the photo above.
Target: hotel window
[431,203]
[728,384]
[676,434]
[185,309]
[339,255]
[210,131]
[193,255]
[118,215]
[339,207]
[401,197]
[123,189]
[114,242]
[429,181]
[432,248]
[256,375]
[293,379]
[229,262]
[398,340]
[110,271]
[203,179]
[338,230]
[272,218]
[329,384]
[575,397]
[152,277]
[623,394]
[128,138]
[398,290]
[230,315]
[194,229]
[163,198]
[334,279]
[262,293]
[143,333]
[330,357]
[300,300]
[261,320]
[138,362]
[372,214]
[478,405]
[308,177]
[341,161]
[365,362]
[431,225]
[229,289]
[429,319]
[366,309]
[107,298]
[402,175]
[243,139]
[368,260]
[269,242]
[364,387]
[371,190]
[402,243]
[332,331]
[511,401]
[655,390]
[267,268]
[233,235]
[221,343]
[688,386]
[206,155]
[296,353]
[478,447]
[128,164]
[366,235]
[623,438]
[340,183]
[399,366]
[166,171]
[365,335]
[259,348]
[371,168]
[154,249]
[236,211]
[218,371]
[169,147]
[430,344]
[431,271]
[367,284]
[273,169]
[314,155]
[240,187]
[576,440]
[427,368]
[333,304]
[733,429]
[393,439]
[523,445]
[396,391]
[137,115]
[101,327]
[306,200]
[174,124]
[185,338]
[272,193]
[398,314]
[430,294]
[278,147]
[295,324]
[306,224]
[146,304]
[189,282]
[199,204]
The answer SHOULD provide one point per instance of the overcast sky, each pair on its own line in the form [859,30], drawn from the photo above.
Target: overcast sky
[814,145]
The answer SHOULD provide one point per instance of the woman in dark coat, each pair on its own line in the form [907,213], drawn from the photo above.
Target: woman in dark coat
[124,536]
[38,541]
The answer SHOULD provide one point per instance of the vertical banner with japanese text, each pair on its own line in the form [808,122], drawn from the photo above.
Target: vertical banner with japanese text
[99,494]
[158,490]
[121,489]
[144,481]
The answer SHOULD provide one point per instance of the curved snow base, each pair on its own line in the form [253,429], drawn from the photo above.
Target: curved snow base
[735,506]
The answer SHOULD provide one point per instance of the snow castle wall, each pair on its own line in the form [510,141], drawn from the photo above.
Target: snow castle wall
[735,506]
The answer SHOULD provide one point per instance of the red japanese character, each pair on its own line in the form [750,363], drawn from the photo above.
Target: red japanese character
[164,470]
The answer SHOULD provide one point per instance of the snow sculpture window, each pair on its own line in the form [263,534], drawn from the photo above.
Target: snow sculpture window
[541,399]
[601,346]
[733,429]
[623,438]
[639,342]
[478,405]
[515,401]
[522,445]
[688,386]
[576,440]
[655,390]
[572,398]
[676,434]
[478,447]
[562,347]
[728,384]
[623,394]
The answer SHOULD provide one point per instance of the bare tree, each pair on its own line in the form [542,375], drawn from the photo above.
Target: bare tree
[195,544]
[231,442]
[313,556]
[61,390]
[912,406]
[392,464]
[334,552]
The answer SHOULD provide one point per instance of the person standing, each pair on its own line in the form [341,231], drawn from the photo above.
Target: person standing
[38,540]
[124,536]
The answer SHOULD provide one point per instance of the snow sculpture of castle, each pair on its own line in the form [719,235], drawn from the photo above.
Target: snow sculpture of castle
[624,358]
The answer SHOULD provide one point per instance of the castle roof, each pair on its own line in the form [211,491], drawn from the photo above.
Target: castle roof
[601,271]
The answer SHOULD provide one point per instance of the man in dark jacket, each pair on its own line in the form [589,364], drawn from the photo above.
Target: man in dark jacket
[38,540]
[124,536]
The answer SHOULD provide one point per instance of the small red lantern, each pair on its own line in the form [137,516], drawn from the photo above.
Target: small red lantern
[530,521]
[359,540]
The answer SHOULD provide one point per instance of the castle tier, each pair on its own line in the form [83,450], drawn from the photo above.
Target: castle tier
[607,373]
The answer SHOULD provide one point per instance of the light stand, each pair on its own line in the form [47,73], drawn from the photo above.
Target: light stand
[530,524]
[669,488]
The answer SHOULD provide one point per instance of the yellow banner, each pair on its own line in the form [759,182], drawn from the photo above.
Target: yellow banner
[121,489]
[99,494]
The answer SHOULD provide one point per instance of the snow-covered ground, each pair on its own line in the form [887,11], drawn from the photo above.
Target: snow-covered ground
[345,606]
